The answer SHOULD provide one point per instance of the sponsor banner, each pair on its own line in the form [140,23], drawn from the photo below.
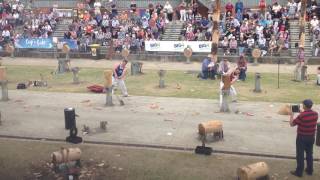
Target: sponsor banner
[70,42]
[34,43]
[178,46]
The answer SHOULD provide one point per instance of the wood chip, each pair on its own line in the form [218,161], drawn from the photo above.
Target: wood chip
[154,106]
[85,101]
[100,165]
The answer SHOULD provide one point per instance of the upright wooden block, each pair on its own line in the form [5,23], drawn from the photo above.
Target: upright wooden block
[226,82]
[3,74]
[108,78]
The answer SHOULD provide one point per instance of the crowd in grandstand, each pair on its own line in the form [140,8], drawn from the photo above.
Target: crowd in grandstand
[245,29]
[120,28]
[241,28]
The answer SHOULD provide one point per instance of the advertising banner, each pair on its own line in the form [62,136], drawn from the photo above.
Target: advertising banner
[70,42]
[178,46]
[34,43]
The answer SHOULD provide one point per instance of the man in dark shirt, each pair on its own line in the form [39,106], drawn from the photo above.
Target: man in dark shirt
[306,122]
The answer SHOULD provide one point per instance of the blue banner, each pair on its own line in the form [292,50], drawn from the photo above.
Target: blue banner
[70,42]
[34,43]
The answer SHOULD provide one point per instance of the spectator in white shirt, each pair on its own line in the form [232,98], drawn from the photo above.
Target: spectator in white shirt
[6,34]
[314,23]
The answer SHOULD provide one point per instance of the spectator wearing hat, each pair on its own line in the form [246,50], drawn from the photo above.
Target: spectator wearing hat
[306,122]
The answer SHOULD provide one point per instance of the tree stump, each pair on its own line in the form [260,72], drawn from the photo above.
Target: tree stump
[257,83]
[225,104]
[136,68]
[108,86]
[161,74]
[75,72]
[63,66]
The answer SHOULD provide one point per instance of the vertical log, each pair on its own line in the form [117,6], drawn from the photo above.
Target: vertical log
[302,22]
[215,29]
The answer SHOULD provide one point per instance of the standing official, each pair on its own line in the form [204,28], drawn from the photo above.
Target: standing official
[306,122]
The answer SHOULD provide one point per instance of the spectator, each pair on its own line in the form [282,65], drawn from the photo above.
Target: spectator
[207,69]
[224,66]
[168,10]
[250,44]
[292,6]
[183,12]
[229,7]
[262,45]
[225,46]
[242,45]
[276,10]
[242,66]
[272,45]
[239,6]
[314,23]
[262,6]
[233,45]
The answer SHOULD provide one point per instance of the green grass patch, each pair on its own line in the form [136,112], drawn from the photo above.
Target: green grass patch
[178,84]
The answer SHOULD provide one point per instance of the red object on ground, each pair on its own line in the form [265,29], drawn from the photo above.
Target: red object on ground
[96,88]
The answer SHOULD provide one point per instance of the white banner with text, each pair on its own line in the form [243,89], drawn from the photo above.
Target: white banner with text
[178,46]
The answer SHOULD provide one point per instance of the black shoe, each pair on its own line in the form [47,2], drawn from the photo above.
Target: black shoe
[295,173]
[308,172]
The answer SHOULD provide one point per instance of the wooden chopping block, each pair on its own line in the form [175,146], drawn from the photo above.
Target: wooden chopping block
[285,110]
[108,78]
[210,127]
[3,74]
[226,82]
[66,155]
[253,171]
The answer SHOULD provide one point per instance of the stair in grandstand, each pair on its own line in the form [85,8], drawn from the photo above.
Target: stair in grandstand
[172,31]
[294,38]
[62,27]
[125,4]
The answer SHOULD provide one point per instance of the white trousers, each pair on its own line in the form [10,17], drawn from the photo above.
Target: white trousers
[233,93]
[183,15]
[120,83]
